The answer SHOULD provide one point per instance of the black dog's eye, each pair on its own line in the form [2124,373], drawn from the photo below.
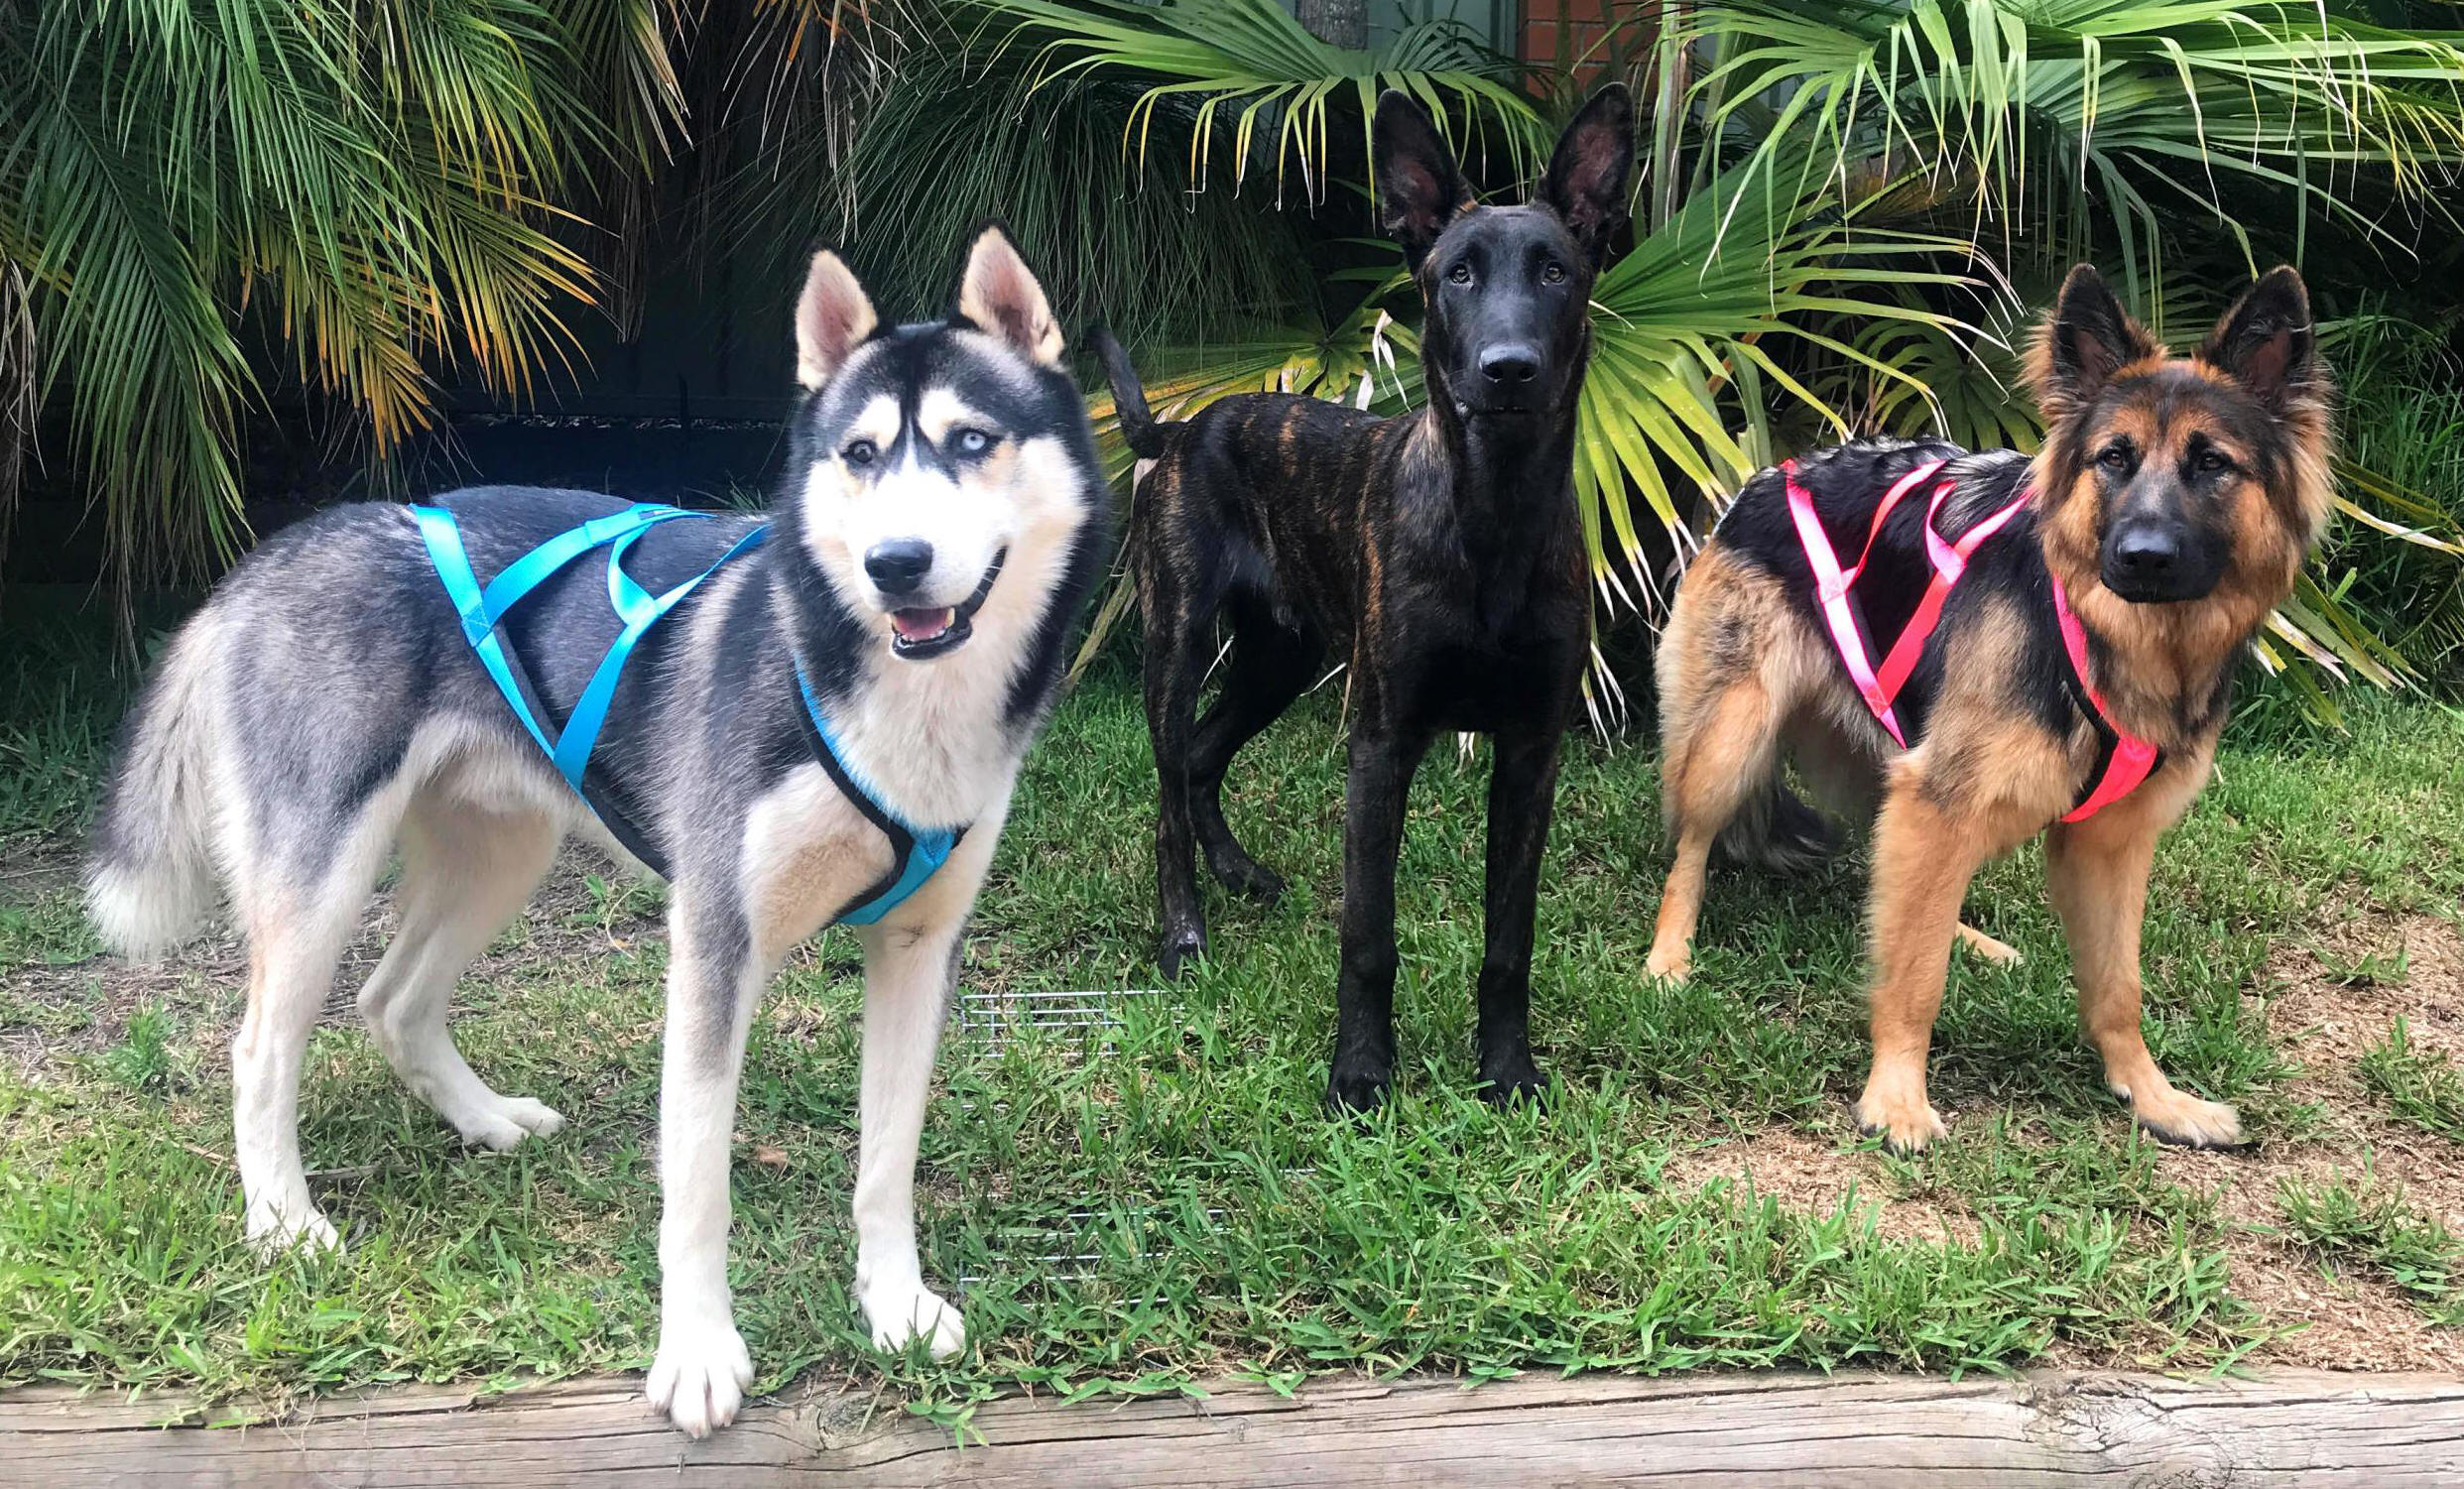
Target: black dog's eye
[2115,457]
[971,442]
[1460,273]
[861,453]
[1554,273]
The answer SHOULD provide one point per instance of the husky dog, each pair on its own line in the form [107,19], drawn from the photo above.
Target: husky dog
[877,667]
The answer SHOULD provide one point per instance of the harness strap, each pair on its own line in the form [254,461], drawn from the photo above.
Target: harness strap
[2122,760]
[916,853]
[1950,562]
[1831,585]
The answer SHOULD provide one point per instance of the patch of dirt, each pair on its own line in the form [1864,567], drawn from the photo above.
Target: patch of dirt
[1811,1176]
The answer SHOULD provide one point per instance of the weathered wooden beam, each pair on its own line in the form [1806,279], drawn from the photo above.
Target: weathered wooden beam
[1699,1431]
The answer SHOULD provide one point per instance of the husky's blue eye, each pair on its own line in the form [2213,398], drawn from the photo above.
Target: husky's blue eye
[973,442]
[861,453]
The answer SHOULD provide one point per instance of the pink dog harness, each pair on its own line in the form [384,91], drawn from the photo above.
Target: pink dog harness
[2122,760]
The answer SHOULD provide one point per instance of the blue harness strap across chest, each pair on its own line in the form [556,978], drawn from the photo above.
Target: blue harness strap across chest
[916,853]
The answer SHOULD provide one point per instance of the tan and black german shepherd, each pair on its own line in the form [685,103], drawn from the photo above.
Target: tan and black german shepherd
[2169,510]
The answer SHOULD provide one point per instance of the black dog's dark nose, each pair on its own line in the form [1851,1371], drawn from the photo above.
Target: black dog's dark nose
[2148,554]
[1510,364]
[898,565]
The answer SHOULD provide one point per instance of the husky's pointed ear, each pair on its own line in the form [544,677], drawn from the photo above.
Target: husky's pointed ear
[1419,190]
[2086,341]
[999,295]
[2267,341]
[1589,172]
[832,318]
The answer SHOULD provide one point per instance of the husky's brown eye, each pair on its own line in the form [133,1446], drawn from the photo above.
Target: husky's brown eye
[860,452]
[1554,273]
[1460,273]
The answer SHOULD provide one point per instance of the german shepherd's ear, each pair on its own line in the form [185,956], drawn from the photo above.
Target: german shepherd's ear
[1001,296]
[1590,169]
[2266,342]
[2087,339]
[1419,190]
[832,318]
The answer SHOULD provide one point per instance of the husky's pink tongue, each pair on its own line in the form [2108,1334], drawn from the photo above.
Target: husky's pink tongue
[922,625]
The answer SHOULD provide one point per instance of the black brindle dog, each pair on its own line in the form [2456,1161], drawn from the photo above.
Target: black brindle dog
[1438,553]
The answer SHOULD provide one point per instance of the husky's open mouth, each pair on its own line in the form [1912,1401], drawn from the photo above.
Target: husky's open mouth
[917,635]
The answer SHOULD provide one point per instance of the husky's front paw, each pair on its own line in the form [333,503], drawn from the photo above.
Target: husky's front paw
[503,1125]
[274,1229]
[900,1313]
[700,1375]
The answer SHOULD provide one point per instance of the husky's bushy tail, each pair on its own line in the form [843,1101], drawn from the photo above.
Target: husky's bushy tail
[150,873]
[1775,831]
[1145,438]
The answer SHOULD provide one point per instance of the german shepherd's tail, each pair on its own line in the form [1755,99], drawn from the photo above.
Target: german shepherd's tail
[150,878]
[1778,833]
[1145,438]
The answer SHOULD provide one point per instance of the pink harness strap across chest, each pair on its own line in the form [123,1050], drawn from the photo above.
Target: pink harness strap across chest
[2126,761]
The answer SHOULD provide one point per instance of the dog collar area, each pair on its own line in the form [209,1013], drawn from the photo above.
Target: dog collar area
[2122,760]
[917,852]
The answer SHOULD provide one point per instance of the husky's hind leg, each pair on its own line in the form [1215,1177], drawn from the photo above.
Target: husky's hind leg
[466,872]
[296,924]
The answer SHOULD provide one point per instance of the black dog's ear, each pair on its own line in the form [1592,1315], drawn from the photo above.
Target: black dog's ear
[1419,190]
[2266,342]
[2085,342]
[1591,168]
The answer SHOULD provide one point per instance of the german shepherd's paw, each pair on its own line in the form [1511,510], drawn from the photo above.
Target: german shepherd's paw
[700,1375]
[1667,964]
[1906,1125]
[2187,1122]
[274,1231]
[900,1313]
[1179,947]
[503,1125]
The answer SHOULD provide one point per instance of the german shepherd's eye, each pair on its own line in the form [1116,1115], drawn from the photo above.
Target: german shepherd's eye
[2115,457]
[860,452]
[1552,273]
[2210,460]
[1460,273]
[971,442]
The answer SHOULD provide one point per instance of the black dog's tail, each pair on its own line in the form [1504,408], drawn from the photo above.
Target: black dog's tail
[1138,430]
[1776,832]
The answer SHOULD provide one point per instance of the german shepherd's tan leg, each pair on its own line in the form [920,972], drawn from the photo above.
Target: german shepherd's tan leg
[1709,764]
[1924,857]
[2097,874]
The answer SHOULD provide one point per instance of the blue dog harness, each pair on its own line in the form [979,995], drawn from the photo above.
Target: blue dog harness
[917,852]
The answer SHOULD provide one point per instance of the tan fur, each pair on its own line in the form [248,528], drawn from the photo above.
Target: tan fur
[1740,672]
[832,318]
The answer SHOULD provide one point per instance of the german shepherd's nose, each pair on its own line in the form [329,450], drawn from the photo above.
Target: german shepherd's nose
[1511,365]
[2156,561]
[898,565]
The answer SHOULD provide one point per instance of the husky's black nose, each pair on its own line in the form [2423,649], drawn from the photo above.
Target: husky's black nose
[898,565]
[1511,365]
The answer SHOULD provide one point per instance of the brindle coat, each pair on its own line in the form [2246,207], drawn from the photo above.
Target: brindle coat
[1438,554]
[2177,499]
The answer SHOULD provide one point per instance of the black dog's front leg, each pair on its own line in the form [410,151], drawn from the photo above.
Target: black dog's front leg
[1523,790]
[1380,783]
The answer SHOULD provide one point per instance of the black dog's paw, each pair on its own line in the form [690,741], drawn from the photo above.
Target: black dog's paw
[1179,947]
[1247,877]
[1356,1090]
[1508,1084]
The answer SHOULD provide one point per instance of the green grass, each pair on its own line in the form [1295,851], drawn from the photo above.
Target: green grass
[2419,1087]
[2371,1226]
[1137,1207]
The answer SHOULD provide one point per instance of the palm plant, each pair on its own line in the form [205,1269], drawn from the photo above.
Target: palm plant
[201,201]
